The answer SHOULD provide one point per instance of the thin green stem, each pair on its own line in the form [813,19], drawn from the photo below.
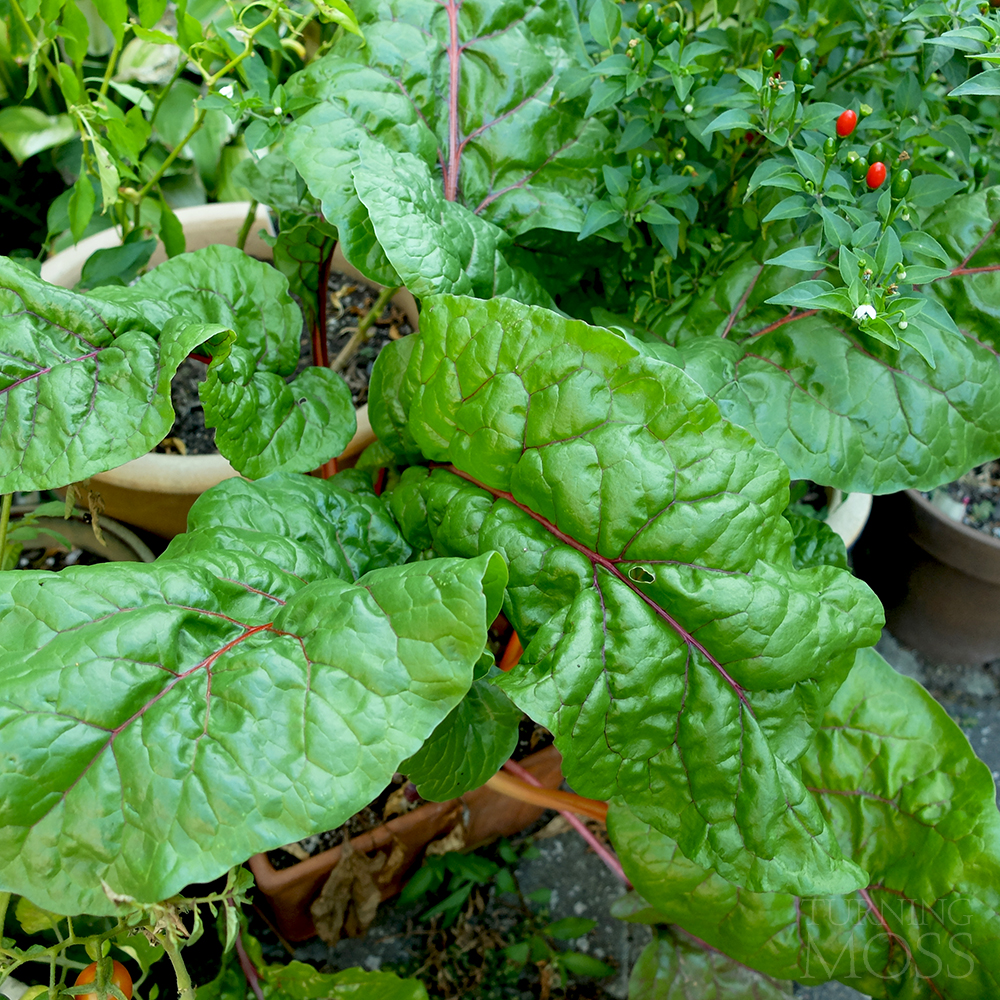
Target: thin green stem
[166,90]
[361,334]
[865,62]
[33,38]
[241,239]
[4,521]
[185,991]
[173,154]
[109,69]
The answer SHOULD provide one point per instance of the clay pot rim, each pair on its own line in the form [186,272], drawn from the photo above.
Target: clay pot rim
[272,880]
[188,474]
[988,541]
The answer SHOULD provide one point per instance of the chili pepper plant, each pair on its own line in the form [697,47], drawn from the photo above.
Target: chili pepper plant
[737,304]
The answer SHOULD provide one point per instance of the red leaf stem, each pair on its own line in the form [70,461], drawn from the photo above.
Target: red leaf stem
[790,318]
[611,862]
[451,177]
[609,565]
[741,303]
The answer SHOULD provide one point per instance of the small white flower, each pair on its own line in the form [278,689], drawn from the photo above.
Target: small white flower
[688,108]
[864,312]
[278,111]
[903,324]
[227,90]
[900,275]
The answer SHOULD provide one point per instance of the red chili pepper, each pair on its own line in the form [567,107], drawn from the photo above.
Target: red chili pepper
[875,176]
[846,123]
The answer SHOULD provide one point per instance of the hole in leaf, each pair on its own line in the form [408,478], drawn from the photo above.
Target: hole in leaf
[639,574]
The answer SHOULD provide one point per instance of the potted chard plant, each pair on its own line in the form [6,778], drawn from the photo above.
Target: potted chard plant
[618,487]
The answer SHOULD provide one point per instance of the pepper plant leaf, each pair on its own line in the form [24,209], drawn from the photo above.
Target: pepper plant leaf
[468,747]
[263,422]
[678,656]
[909,800]
[84,384]
[469,91]
[840,406]
[673,966]
[163,722]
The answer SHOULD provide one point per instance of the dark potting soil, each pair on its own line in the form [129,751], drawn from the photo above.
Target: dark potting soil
[57,558]
[348,302]
[974,499]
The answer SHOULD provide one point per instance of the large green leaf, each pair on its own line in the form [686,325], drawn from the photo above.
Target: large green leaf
[898,781]
[468,747]
[672,647]
[435,245]
[161,723]
[501,150]
[839,407]
[674,967]
[84,384]
[263,422]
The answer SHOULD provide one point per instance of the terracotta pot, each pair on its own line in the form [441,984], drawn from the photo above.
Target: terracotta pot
[487,815]
[938,579]
[156,491]
[121,545]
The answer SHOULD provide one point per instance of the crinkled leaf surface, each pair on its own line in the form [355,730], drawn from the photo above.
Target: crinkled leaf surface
[674,967]
[814,542]
[909,800]
[263,422]
[162,722]
[967,229]
[84,384]
[500,151]
[468,747]
[671,646]
[434,244]
[305,239]
[840,407]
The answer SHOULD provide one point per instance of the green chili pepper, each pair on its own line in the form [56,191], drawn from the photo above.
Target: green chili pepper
[901,183]
[859,168]
[639,167]
[803,73]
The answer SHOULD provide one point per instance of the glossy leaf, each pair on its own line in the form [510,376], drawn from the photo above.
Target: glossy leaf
[468,747]
[674,967]
[163,722]
[25,131]
[84,384]
[909,800]
[434,245]
[500,150]
[672,648]
[263,422]
[840,407]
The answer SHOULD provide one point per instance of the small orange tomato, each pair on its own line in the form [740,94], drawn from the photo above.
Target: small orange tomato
[119,976]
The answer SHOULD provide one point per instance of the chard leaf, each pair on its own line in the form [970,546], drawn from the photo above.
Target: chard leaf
[162,722]
[435,245]
[910,802]
[468,747]
[263,422]
[671,646]
[839,406]
[84,384]
[674,966]
[500,148]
